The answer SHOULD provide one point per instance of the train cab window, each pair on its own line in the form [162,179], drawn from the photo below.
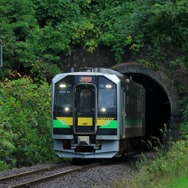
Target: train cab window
[106,97]
[63,98]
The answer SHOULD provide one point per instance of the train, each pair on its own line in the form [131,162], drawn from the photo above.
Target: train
[96,113]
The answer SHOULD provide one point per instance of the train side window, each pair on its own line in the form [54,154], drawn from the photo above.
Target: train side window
[138,105]
[127,100]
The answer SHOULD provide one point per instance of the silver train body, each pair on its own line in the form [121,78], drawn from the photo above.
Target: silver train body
[97,113]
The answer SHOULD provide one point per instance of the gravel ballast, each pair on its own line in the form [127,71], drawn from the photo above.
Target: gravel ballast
[98,177]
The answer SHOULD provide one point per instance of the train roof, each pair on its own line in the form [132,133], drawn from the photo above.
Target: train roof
[93,71]
[102,70]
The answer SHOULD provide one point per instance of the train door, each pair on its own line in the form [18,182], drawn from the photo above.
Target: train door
[85,109]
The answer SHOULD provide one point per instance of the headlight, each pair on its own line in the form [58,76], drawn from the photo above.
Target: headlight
[103,110]
[66,109]
[108,86]
[62,85]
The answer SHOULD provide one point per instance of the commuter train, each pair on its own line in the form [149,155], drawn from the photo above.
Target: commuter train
[96,113]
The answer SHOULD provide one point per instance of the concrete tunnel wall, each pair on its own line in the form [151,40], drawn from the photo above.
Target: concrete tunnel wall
[164,83]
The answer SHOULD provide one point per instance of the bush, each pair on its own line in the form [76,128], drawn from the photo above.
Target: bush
[168,166]
[6,147]
[26,109]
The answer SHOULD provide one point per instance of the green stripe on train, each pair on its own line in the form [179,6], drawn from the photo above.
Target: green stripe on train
[109,124]
[133,122]
[60,124]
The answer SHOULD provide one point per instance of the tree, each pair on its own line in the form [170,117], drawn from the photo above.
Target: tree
[25,122]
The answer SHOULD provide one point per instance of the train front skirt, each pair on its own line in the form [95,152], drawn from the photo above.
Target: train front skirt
[108,149]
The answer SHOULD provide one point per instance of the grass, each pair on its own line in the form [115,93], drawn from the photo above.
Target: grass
[179,182]
[168,170]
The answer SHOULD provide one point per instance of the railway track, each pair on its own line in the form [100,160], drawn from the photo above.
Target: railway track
[32,178]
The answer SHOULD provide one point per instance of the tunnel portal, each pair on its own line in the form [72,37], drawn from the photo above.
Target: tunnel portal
[157,105]
[162,104]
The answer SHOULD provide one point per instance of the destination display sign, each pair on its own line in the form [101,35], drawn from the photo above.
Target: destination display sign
[85,79]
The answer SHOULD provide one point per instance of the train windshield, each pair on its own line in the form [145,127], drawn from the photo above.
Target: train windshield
[63,97]
[86,101]
[106,97]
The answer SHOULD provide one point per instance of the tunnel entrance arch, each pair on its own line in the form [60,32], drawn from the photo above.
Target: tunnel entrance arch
[162,103]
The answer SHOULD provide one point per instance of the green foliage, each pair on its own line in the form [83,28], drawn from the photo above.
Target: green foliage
[7,146]
[17,20]
[38,34]
[112,22]
[21,38]
[164,25]
[185,108]
[184,130]
[165,168]
[179,182]
[25,122]
[168,167]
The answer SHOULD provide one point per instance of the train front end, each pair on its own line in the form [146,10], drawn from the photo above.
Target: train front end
[85,115]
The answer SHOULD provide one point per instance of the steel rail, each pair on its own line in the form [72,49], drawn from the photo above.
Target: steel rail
[6,178]
[50,177]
